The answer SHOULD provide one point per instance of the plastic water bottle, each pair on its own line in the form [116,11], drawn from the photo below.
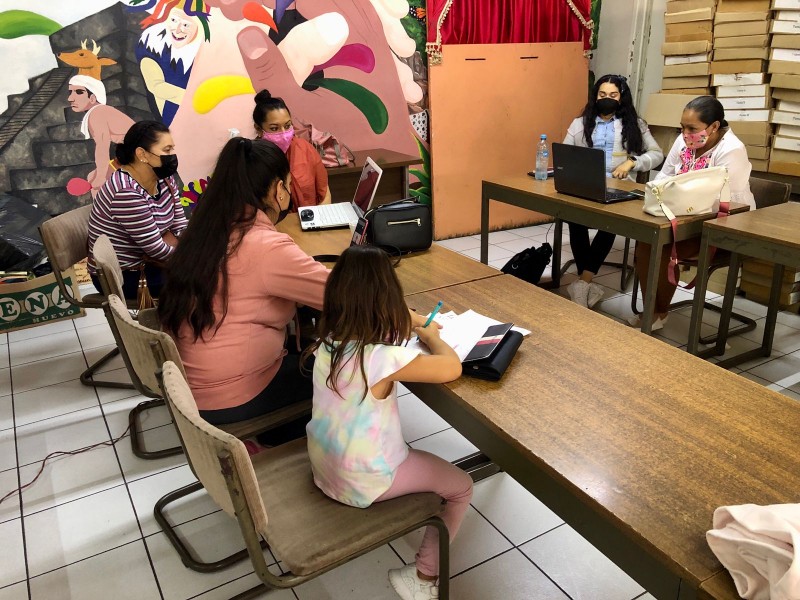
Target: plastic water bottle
[542,158]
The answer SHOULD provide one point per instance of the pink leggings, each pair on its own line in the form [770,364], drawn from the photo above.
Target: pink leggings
[424,472]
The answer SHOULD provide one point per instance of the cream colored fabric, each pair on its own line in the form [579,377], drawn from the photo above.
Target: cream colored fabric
[759,546]
[65,237]
[105,257]
[204,443]
[136,344]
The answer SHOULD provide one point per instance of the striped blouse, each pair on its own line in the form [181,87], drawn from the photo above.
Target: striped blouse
[134,220]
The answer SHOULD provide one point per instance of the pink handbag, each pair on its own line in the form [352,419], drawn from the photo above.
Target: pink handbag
[332,152]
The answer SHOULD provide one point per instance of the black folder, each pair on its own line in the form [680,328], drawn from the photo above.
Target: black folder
[492,367]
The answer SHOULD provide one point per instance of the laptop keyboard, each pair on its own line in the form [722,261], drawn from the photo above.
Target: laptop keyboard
[613,194]
[333,214]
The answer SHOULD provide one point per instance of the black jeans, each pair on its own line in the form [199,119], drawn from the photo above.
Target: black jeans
[589,257]
[130,281]
[289,385]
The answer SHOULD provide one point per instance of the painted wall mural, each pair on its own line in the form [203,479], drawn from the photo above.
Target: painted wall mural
[356,68]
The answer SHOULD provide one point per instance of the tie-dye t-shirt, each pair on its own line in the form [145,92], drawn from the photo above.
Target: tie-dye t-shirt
[356,445]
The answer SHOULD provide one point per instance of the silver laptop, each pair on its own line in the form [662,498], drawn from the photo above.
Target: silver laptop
[342,214]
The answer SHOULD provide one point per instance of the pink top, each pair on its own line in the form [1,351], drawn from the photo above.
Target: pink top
[267,277]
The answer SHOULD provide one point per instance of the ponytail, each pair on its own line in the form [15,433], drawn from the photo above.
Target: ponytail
[143,134]
[266,103]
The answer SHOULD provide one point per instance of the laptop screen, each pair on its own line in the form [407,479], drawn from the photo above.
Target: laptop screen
[367,185]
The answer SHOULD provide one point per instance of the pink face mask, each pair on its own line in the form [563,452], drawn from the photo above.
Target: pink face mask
[282,139]
[695,140]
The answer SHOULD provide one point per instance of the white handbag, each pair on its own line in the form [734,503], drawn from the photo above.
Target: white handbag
[694,193]
[700,192]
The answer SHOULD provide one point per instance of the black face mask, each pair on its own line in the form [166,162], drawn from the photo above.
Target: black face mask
[607,106]
[169,166]
[282,213]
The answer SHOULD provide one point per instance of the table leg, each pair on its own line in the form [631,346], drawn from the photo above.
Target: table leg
[656,248]
[772,311]
[727,303]
[699,296]
[405,182]
[484,226]
[556,267]
[769,326]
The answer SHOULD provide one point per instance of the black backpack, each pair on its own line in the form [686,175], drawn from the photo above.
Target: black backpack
[529,264]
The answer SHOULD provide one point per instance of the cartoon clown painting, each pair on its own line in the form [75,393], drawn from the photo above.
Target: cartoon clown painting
[167,48]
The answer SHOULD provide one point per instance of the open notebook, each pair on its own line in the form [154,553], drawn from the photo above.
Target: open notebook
[476,339]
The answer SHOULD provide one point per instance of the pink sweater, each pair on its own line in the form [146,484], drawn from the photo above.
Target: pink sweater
[267,277]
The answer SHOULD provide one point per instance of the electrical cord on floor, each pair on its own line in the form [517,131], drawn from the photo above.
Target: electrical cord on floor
[22,488]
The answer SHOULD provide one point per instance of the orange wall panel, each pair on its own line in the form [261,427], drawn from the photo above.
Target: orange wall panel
[489,104]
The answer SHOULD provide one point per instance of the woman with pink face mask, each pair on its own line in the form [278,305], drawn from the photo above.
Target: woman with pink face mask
[273,122]
[705,141]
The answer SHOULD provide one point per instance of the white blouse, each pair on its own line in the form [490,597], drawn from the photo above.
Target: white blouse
[729,152]
[651,158]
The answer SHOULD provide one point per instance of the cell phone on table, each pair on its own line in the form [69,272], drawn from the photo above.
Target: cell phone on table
[638,193]
[360,232]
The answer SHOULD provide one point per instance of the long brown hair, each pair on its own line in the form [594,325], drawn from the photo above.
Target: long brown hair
[363,305]
[246,171]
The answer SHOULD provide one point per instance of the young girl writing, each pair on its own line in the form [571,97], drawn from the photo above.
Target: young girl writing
[358,455]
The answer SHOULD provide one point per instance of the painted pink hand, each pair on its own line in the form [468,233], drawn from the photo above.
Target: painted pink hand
[78,187]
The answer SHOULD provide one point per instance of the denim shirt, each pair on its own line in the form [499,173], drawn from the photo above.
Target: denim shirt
[603,137]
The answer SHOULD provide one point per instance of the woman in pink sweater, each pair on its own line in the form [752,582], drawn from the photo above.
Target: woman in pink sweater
[235,283]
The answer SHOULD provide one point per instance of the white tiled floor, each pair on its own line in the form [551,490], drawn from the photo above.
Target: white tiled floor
[85,529]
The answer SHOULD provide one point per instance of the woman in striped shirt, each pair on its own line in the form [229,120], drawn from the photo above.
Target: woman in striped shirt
[139,208]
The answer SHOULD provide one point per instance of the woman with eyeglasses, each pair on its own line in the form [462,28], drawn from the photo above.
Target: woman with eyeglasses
[609,122]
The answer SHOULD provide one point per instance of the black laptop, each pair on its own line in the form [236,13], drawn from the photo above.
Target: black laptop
[581,172]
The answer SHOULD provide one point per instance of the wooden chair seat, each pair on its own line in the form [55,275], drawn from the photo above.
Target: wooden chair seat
[308,530]
[273,497]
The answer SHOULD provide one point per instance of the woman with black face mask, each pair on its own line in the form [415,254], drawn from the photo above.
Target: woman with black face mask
[139,208]
[234,285]
[609,121]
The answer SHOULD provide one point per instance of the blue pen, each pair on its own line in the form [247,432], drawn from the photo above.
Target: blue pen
[433,313]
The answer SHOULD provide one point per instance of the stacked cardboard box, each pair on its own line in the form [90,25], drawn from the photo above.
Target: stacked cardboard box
[784,66]
[739,73]
[687,46]
[756,284]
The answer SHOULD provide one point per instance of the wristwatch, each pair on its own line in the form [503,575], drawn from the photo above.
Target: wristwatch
[632,158]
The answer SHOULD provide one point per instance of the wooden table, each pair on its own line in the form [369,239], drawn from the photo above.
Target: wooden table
[771,234]
[719,587]
[418,272]
[342,181]
[622,218]
[632,442]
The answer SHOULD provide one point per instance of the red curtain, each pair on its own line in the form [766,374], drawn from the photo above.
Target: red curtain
[508,21]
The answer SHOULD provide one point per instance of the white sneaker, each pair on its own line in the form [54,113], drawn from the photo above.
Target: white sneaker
[410,587]
[578,292]
[596,293]
[636,321]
